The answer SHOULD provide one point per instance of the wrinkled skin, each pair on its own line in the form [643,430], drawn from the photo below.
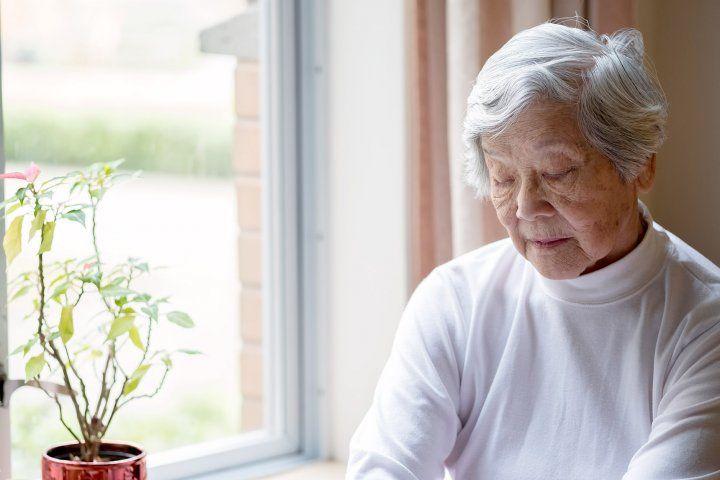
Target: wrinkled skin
[548,182]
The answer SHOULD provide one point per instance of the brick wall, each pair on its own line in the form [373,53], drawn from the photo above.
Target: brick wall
[248,185]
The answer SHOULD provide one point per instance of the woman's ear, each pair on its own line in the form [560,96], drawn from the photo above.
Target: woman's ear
[644,181]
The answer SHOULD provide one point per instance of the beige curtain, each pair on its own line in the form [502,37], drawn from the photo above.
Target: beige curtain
[430,240]
[448,42]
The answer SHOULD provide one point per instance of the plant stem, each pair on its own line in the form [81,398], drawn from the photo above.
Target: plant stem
[44,342]
[62,417]
[150,395]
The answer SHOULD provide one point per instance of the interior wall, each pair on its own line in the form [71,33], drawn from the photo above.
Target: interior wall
[367,211]
[682,39]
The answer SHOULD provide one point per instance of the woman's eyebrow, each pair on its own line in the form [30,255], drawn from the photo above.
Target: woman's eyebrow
[570,149]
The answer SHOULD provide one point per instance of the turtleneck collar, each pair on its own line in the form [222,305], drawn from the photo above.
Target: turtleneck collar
[617,280]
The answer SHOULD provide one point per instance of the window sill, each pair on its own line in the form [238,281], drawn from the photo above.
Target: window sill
[289,467]
[321,470]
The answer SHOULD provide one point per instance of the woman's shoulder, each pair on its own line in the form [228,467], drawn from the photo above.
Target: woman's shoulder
[686,261]
[692,285]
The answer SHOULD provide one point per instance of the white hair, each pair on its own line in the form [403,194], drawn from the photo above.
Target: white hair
[621,108]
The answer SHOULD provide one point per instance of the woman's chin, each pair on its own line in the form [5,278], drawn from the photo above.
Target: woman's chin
[555,268]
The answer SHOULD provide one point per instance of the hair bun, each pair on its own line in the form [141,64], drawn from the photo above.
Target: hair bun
[626,41]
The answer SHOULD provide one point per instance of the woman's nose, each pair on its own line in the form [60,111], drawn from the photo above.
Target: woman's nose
[531,202]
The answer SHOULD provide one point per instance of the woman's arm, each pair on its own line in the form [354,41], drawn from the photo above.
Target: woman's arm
[413,421]
[684,441]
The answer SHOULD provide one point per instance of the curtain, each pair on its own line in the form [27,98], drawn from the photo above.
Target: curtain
[448,41]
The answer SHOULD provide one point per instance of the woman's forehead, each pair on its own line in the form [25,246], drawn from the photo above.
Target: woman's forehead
[549,146]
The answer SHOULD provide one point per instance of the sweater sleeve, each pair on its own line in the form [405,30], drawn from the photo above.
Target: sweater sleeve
[684,440]
[412,423]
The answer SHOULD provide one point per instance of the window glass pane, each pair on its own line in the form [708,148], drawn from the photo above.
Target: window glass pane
[89,81]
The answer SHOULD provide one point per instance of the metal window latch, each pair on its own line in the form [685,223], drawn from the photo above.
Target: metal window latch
[8,387]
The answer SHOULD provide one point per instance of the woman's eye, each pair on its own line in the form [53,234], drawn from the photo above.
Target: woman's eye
[502,183]
[558,176]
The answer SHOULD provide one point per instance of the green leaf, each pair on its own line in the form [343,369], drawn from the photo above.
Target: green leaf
[12,208]
[135,379]
[60,290]
[180,318]
[115,291]
[189,352]
[34,366]
[37,222]
[7,201]
[57,279]
[135,338]
[151,311]
[85,347]
[25,348]
[31,343]
[54,335]
[93,278]
[20,194]
[20,292]
[141,298]
[48,230]
[120,326]
[66,327]
[75,216]
[115,164]
[94,192]
[12,242]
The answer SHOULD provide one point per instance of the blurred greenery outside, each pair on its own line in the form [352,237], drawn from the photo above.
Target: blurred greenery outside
[204,417]
[164,143]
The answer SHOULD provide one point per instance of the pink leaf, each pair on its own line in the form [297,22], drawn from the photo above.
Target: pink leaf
[32,172]
[18,175]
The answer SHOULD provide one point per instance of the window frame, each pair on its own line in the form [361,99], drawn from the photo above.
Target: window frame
[292,77]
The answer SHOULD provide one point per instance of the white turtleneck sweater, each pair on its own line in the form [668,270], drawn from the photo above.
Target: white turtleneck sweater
[499,373]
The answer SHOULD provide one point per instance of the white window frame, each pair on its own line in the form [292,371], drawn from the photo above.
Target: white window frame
[292,73]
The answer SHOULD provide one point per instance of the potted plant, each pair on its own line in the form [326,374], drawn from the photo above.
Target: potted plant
[102,359]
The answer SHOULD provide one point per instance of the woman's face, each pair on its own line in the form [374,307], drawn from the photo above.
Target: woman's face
[564,205]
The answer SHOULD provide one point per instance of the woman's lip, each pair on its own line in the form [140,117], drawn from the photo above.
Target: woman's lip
[549,243]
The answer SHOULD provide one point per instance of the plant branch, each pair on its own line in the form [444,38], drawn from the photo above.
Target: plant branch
[149,395]
[43,341]
[62,417]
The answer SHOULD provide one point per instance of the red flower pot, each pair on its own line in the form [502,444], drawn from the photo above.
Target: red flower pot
[124,461]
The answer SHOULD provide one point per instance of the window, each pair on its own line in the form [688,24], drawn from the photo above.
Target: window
[216,103]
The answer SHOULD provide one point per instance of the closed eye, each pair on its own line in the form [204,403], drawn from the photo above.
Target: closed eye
[558,176]
[501,183]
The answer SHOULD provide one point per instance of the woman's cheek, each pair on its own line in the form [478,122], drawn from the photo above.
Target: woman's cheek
[506,213]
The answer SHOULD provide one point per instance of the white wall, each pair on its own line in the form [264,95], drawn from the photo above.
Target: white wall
[367,221]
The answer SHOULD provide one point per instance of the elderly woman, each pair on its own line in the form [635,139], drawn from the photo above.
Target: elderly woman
[587,344]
